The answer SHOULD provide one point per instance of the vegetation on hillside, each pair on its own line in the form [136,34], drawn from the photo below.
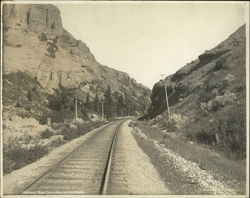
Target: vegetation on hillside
[19,151]
[209,97]
[33,107]
[42,66]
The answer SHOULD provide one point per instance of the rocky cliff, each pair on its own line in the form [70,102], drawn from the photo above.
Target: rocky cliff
[37,45]
[34,17]
[207,98]
[214,73]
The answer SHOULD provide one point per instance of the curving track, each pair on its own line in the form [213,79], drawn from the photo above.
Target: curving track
[84,171]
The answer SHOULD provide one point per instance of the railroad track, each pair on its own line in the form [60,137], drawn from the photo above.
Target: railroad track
[85,170]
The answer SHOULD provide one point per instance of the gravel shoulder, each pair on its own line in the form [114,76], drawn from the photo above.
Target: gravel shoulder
[132,171]
[15,181]
[182,176]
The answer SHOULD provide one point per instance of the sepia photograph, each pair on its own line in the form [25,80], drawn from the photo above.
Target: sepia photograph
[124,98]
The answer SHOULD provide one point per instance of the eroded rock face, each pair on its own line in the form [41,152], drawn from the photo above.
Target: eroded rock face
[46,51]
[204,78]
[36,17]
[36,43]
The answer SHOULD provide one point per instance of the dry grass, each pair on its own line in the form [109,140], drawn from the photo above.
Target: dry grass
[203,155]
[26,141]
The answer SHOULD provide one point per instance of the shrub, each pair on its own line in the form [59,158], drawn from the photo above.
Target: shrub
[232,128]
[52,142]
[56,102]
[55,126]
[169,124]
[43,37]
[79,129]
[28,109]
[87,126]
[217,102]
[42,119]
[174,122]
[229,127]
[23,113]
[17,155]
[227,98]
[229,78]
[20,152]
[47,133]
[56,139]
[69,134]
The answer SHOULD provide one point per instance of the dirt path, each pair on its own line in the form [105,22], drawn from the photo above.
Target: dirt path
[181,175]
[132,171]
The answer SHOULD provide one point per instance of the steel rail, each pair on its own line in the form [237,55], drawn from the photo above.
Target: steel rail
[106,174]
[20,192]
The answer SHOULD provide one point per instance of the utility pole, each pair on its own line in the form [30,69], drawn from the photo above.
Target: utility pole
[75,106]
[166,95]
[78,86]
[102,111]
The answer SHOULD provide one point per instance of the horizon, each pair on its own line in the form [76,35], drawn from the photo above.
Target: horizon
[137,39]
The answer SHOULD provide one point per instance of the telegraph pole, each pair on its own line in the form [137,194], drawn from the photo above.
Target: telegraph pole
[102,111]
[78,86]
[166,95]
[75,106]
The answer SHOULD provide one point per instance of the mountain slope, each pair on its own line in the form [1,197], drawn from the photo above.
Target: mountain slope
[208,95]
[37,46]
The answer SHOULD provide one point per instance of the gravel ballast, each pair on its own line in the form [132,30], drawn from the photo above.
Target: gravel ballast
[182,176]
[132,172]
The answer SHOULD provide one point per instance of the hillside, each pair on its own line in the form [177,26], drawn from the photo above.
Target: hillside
[207,97]
[43,62]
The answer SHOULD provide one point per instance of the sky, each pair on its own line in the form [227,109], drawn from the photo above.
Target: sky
[147,39]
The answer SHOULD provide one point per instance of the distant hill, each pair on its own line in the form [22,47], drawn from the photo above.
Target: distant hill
[42,62]
[210,93]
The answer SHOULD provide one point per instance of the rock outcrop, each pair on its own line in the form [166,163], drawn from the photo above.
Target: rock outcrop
[205,78]
[35,17]
[207,98]
[36,44]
